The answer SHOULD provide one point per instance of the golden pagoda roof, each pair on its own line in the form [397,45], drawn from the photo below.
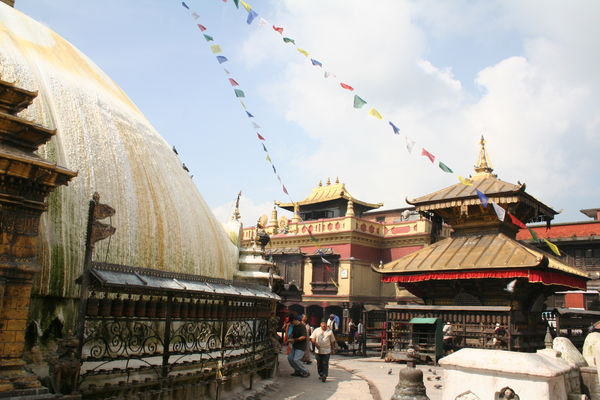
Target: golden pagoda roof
[486,182]
[491,251]
[329,192]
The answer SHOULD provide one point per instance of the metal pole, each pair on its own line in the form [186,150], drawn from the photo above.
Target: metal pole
[85,277]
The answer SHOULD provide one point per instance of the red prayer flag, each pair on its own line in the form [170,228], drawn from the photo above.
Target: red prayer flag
[202,27]
[260,136]
[278,29]
[517,221]
[348,87]
[284,189]
[427,154]
[233,82]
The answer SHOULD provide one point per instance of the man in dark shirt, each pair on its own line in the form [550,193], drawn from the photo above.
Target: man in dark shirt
[298,339]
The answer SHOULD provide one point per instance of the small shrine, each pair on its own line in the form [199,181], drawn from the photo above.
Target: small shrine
[481,277]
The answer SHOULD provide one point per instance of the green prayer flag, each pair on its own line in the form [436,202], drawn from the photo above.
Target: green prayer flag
[239,93]
[445,168]
[237,3]
[289,40]
[208,38]
[534,235]
[358,102]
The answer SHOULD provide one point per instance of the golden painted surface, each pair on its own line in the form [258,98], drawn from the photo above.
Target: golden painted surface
[475,252]
[328,192]
[162,220]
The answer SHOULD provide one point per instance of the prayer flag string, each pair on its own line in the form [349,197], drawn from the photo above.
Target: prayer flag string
[239,93]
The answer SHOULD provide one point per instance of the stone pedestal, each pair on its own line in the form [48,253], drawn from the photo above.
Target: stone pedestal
[410,385]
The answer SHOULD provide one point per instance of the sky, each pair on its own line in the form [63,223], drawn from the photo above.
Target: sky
[522,73]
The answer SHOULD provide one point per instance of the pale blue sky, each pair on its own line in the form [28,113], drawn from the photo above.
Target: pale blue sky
[523,73]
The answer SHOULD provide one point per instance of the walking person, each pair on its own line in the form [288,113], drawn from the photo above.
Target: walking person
[298,340]
[324,341]
[306,358]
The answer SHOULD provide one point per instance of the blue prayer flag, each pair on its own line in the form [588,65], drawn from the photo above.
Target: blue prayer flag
[483,198]
[221,59]
[249,115]
[251,15]
[185,5]
[395,128]
[315,62]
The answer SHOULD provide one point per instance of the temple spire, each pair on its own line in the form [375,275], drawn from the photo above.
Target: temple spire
[235,215]
[483,165]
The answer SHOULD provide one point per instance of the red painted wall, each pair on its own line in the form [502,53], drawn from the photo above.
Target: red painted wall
[574,300]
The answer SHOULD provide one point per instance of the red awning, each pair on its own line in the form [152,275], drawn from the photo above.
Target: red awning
[532,275]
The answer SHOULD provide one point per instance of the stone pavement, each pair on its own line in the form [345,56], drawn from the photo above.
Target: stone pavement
[350,378]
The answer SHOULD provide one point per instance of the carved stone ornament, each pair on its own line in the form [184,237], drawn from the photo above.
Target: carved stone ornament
[64,370]
[468,395]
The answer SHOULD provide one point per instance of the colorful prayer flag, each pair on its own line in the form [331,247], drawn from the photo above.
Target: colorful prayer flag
[289,40]
[262,21]
[274,170]
[226,70]
[482,197]
[260,137]
[237,3]
[246,6]
[221,59]
[315,62]
[375,114]
[284,189]
[278,29]
[553,247]
[249,115]
[269,159]
[243,104]
[534,235]
[427,154]
[202,27]
[500,212]
[239,93]
[255,125]
[185,5]
[215,48]
[208,38]
[233,82]
[517,221]
[394,127]
[347,87]
[303,52]
[279,178]
[358,102]
[264,147]
[409,144]
[327,74]
[325,261]
[251,15]
[465,181]
[444,167]
[195,15]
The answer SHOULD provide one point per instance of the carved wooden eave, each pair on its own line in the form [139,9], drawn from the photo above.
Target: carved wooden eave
[14,99]
[23,134]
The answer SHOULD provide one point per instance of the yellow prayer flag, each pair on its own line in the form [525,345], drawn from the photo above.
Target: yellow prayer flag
[553,247]
[215,48]
[269,159]
[246,6]
[374,113]
[465,181]
[303,52]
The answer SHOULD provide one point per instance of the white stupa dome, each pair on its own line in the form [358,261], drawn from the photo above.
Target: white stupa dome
[162,220]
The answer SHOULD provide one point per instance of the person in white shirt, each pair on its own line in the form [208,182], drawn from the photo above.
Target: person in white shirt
[324,341]
[332,323]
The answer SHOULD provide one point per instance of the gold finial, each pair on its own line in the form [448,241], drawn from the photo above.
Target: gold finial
[320,183]
[350,209]
[328,181]
[337,179]
[483,165]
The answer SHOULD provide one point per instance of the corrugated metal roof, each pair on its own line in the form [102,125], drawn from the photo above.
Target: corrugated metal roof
[492,251]
[143,278]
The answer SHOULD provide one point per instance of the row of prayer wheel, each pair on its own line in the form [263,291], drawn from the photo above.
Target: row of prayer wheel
[455,318]
[179,309]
